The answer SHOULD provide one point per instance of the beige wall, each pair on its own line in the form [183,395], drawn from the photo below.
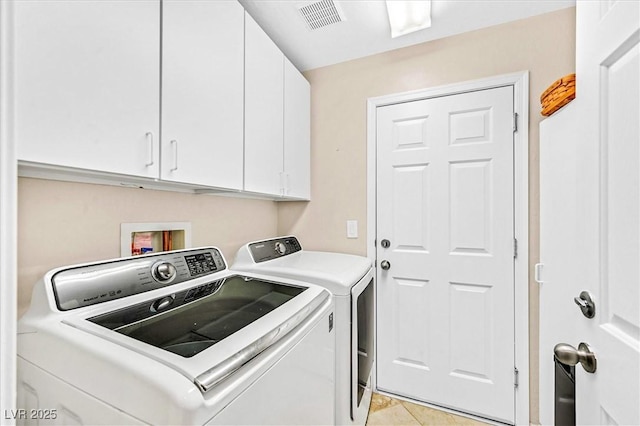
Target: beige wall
[62,223]
[543,45]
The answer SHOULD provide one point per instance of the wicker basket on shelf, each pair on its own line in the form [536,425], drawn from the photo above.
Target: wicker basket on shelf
[560,93]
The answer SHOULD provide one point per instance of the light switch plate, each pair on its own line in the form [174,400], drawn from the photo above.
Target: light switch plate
[352,229]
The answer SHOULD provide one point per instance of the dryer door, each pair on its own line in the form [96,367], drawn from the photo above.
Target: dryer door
[362,345]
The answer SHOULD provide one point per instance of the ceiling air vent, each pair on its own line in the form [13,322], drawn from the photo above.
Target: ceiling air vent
[321,13]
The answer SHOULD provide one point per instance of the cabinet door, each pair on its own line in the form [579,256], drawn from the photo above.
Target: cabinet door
[87,83]
[202,92]
[263,112]
[297,118]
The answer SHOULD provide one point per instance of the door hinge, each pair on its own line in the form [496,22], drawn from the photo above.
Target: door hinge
[515,248]
[515,122]
[515,377]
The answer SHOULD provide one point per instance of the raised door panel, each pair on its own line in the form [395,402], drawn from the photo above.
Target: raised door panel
[202,92]
[87,84]
[264,102]
[410,208]
[470,207]
[297,137]
[409,349]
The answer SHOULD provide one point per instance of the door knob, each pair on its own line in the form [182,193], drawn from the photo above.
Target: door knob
[568,355]
[385,264]
[586,303]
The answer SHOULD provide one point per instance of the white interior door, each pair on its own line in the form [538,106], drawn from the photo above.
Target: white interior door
[604,257]
[445,188]
[608,64]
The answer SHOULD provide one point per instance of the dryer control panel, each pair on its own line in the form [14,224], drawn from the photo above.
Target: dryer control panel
[262,251]
[89,284]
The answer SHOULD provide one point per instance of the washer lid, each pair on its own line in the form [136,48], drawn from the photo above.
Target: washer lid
[336,272]
[189,321]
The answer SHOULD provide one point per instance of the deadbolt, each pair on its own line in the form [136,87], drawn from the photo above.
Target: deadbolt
[586,303]
[385,243]
[385,264]
[568,355]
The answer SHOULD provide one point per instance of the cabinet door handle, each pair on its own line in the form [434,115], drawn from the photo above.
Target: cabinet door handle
[281,183]
[288,184]
[149,136]
[174,143]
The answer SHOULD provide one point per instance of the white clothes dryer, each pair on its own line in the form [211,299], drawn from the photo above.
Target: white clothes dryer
[351,280]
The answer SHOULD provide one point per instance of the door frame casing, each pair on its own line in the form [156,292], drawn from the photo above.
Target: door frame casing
[8,218]
[520,83]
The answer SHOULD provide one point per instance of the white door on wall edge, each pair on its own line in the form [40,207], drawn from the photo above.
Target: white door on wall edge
[598,137]
[445,251]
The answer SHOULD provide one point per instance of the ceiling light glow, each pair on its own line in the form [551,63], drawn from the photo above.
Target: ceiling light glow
[408,16]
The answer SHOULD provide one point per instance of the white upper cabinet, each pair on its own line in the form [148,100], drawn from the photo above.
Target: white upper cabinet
[297,122]
[87,81]
[277,120]
[172,94]
[202,92]
[264,131]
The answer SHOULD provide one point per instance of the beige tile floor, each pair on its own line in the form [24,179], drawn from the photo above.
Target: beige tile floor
[389,411]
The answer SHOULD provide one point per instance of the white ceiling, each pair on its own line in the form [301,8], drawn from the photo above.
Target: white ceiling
[366,28]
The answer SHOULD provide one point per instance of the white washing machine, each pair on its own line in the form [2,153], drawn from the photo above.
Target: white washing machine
[350,279]
[175,338]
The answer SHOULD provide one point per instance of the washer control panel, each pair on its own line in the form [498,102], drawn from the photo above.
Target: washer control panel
[201,263]
[89,284]
[262,251]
